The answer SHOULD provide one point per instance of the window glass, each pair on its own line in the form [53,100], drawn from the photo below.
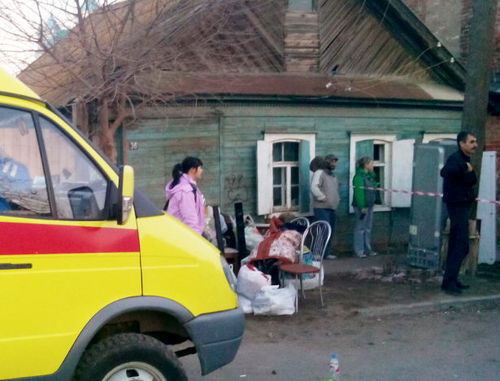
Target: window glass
[277,196]
[379,162]
[379,175]
[291,151]
[277,176]
[79,187]
[378,153]
[295,175]
[278,152]
[22,181]
[295,195]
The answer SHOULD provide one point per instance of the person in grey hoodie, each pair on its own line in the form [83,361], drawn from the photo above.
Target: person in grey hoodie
[326,198]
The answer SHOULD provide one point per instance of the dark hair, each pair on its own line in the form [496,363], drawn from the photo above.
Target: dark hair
[317,163]
[363,161]
[184,167]
[462,137]
[331,157]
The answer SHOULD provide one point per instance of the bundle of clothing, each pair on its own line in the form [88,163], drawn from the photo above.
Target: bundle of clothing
[281,244]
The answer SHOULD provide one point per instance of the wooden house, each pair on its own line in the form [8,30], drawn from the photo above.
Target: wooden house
[348,77]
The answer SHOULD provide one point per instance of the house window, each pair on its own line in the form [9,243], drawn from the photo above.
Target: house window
[379,148]
[380,162]
[283,178]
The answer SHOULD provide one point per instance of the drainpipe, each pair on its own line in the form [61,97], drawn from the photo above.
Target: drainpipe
[220,127]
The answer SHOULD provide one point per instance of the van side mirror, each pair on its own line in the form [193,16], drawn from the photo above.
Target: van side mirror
[126,193]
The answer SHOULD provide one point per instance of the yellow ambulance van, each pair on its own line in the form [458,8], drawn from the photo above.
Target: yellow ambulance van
[96,283]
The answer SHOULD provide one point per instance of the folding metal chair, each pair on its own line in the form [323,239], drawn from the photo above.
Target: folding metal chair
[315,238]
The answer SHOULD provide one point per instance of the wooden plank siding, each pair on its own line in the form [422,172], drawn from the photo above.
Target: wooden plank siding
[161,143]
[230,159]
[353,41]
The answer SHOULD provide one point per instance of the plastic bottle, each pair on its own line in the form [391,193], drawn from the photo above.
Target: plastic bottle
[334,367]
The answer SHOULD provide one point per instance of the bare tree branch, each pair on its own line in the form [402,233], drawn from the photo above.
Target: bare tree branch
[105,54]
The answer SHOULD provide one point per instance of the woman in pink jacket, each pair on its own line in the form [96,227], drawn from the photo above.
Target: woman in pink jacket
[184,199]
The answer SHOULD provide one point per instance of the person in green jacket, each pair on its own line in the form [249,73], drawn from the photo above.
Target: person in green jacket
[363,202]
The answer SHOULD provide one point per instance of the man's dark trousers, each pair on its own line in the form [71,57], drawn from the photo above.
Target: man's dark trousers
[458,241]
[328,215]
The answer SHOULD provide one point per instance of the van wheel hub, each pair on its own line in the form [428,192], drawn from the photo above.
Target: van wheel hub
[134,371]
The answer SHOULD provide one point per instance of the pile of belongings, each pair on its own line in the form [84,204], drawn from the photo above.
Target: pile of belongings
[258,278]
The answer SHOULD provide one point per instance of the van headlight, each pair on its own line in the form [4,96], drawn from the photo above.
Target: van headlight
[228,272]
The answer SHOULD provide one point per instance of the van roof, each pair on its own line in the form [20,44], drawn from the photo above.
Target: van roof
[10,84]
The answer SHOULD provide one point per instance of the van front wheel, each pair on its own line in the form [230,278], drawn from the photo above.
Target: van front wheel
[129,356]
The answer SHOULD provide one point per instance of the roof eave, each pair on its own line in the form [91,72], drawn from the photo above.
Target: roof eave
[416,37]
[332,101]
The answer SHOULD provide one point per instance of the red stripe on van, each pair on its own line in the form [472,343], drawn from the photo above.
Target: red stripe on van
[19,238]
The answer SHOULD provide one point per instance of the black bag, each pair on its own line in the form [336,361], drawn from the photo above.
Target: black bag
[269,266]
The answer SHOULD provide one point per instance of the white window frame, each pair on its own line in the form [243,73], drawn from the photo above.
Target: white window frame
[288,165]
[437,137]
[387,140]
[273,138]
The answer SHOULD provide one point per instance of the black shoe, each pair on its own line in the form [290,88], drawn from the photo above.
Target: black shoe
[462,286]
[451,289]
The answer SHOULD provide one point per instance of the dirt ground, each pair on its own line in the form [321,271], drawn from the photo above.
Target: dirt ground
[346,296]
[461,343]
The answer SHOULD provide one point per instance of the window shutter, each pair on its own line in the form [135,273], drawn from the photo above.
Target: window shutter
[264,178]
[402,172]
[304,177]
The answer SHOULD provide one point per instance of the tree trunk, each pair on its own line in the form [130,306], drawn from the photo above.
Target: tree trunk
[107,143]
[106,133]
[107,128]
[82,117]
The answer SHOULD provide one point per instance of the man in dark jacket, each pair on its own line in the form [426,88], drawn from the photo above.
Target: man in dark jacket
[458,194]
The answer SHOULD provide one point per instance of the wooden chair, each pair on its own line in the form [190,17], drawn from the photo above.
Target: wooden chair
[315,238]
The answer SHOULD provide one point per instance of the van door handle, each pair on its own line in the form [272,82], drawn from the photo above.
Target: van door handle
[15,266]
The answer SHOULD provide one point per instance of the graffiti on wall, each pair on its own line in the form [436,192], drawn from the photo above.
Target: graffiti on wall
[236,188]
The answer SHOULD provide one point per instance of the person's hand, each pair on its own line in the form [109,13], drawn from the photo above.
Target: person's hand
[470,168]
[364,211]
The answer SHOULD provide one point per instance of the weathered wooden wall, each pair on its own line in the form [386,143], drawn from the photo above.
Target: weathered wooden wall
[230,158]
[353,41]
[161,143]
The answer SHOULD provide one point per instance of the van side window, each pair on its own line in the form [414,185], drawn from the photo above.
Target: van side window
[22,182]
[79,187]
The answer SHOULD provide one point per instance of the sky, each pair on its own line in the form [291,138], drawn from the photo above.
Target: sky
[14,53]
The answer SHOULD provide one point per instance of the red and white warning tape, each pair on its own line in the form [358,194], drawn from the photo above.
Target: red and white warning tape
[420,193]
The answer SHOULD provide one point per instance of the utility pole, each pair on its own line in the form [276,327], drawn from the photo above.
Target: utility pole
[479,67]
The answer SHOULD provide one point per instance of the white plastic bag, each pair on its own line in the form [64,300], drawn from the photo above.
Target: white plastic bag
[250,281]
[272,300]
[252,237]
[245,304]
